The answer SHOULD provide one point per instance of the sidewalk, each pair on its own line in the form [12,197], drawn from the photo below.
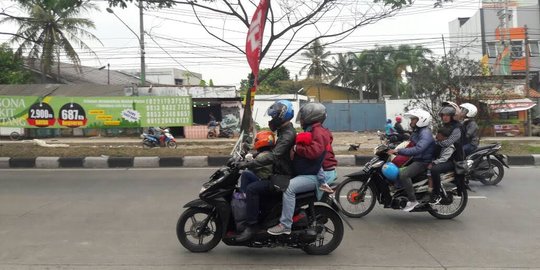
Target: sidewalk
[366,140]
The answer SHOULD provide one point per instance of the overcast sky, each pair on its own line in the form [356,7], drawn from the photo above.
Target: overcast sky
[185,45]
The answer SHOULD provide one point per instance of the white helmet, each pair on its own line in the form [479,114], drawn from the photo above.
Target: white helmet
[469,109]
[424,118]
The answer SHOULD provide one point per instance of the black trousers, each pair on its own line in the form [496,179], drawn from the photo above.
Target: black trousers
[254,192]
[436,172]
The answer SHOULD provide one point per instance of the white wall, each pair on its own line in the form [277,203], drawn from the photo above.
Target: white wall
[395,107]
[263,102]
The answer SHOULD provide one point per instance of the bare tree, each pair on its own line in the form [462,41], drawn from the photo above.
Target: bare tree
[446,79]
[295,24]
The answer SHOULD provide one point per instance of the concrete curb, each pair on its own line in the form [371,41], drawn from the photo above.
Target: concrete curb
[4,162]
[47,162]
[536,160]
[187,161]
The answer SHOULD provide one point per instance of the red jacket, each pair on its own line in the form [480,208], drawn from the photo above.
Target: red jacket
[322,140]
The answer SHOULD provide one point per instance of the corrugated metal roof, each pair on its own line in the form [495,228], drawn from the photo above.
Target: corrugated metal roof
[73,90]
[89,75]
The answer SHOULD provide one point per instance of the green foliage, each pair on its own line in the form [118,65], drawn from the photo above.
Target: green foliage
[439,80]
[202,83]
[381,66]
[52,27]
[275,81]
[319,67]
[147,3]
[13,71]
[211,83]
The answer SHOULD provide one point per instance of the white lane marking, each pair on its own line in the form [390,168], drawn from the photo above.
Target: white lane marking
[477,197]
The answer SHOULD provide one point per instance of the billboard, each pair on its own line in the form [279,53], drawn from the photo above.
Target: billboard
[94,112]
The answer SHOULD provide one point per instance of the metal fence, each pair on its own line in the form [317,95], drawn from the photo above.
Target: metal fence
[355,116]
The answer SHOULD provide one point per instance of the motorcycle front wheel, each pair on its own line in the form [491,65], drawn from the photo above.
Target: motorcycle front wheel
[353,201]
[171,145]
[497,170]
[194,235]
[330,231]
[451,206]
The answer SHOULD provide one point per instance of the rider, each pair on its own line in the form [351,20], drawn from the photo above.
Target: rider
[281,112]
[421,152]
[399,129]
[448,113]
[471,139]
[313,147]
[389,130]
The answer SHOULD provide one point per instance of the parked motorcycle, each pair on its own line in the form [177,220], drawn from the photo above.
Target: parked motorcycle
[487,165]
[219,131]
[317,229]
[358,194]
[159,140]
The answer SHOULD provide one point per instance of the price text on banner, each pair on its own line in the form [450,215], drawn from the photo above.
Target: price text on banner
[94,112]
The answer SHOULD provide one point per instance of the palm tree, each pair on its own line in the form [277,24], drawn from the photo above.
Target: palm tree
[319,68]
[53,27]
[342,70]
[412,57]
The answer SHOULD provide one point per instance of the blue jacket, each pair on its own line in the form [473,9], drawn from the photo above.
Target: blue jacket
[424,145]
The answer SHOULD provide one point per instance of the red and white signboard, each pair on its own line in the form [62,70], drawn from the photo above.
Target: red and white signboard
[254,37]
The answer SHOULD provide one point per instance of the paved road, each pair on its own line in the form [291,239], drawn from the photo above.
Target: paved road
[125,219]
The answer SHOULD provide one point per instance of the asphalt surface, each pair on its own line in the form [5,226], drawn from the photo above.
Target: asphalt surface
[125,219]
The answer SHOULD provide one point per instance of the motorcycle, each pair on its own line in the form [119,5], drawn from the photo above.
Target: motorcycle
[317,228]
[219,130]
[358,193]
[487,165]
[165,139]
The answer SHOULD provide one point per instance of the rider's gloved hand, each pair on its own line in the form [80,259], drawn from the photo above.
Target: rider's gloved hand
[304,138]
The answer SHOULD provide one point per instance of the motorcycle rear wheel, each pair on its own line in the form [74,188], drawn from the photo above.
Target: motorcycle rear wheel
[147,143]
[498,173]
[452,210]
[193,218]
[353,203]
[15,136]
[331,225]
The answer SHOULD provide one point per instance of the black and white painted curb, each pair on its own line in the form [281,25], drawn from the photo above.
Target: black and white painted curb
[187,161]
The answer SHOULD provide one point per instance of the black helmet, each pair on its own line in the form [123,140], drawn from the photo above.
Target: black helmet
[311,113]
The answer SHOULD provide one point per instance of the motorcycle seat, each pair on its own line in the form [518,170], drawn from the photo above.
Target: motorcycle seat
[484,148]
[306,195]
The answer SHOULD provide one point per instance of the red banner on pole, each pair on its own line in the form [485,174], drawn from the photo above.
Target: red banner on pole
[254,37]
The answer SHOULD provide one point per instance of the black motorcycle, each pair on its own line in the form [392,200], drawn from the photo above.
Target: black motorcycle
[317,228]
[487,165]
[358,194]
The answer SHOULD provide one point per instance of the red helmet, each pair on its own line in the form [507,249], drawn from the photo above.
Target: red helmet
[398,119]
[264,139]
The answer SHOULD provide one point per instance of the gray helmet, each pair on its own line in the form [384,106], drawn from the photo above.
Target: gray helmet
[312,113]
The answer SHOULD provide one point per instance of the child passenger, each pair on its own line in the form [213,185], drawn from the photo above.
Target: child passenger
[263,144]
[443,163]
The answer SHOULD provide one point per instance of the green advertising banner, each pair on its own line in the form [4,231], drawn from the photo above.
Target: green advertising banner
[94,112]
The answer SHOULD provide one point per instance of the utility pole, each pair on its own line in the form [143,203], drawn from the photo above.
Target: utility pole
[446,64]
[527,93]
[141,43]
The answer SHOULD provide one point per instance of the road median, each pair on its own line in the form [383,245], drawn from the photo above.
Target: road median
[186,161]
